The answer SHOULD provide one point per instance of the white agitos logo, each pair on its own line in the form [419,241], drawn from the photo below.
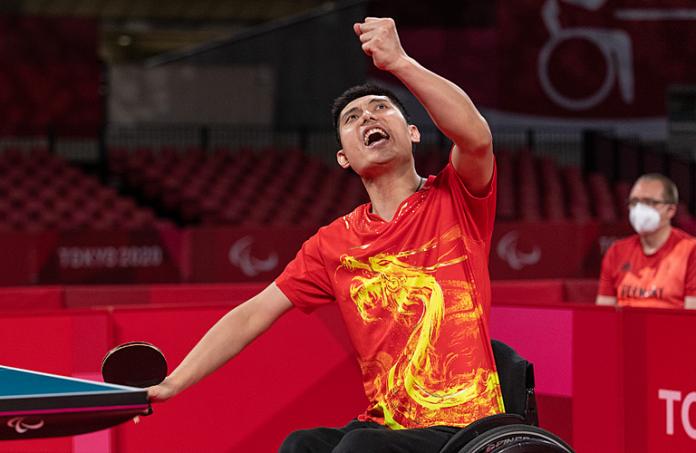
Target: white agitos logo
[507,250]
[21,426]
[240,256]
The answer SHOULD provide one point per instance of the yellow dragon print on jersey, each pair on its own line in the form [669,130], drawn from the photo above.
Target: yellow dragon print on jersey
[424,386]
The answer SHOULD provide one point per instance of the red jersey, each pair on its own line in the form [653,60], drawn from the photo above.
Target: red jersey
[414,293]
[661,280]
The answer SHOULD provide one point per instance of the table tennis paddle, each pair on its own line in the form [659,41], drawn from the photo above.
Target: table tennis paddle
[135,364]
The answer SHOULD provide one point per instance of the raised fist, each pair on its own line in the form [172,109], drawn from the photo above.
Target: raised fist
[380,41]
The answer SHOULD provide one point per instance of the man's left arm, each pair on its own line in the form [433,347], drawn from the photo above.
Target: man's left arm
[448,105]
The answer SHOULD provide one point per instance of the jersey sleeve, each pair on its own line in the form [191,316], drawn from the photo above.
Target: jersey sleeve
[690,278]
[480,209]
[305,280]
[607,287]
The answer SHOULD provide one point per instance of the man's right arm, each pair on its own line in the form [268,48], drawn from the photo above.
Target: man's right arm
[606,281]
[605,300]
[224,340]
[447,104]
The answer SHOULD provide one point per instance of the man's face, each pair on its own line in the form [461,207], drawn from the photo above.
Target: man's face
[374,134]
[651,193]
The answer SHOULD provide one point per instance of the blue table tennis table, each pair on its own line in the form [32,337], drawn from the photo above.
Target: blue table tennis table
[34,404]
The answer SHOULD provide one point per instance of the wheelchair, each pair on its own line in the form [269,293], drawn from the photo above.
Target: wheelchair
[517,430]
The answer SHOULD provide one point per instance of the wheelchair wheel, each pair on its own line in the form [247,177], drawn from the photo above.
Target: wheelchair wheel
[517,439]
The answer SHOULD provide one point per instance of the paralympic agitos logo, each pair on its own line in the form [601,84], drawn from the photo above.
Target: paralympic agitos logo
[240,254]
[508,250]
[21,425]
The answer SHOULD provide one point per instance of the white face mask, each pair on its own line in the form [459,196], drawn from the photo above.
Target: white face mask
[644,219]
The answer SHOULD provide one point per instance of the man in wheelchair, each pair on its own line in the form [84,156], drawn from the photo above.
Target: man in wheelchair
[409,274]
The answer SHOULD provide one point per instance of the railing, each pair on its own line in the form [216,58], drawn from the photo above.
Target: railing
[565,146]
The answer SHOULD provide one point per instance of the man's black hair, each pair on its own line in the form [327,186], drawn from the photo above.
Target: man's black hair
[358,91]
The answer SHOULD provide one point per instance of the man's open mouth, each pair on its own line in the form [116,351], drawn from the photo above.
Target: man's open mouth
[374,135]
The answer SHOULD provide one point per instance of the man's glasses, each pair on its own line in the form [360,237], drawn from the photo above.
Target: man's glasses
[631,202]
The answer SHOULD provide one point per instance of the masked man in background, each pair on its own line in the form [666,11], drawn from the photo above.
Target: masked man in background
[657,266]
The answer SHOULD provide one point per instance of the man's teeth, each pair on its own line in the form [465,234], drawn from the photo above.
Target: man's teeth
[381,134]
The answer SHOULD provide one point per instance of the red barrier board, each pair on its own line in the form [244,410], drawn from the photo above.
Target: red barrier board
[526,291]
[636,391]
[610,380]
[550,250]
[243,254]
[210,255]
[18,264]
[34,298]
[544,336]
[89,257]
[120,295]
[597,381]
[65,343]
[504,292]
[659,349]
[301,373]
